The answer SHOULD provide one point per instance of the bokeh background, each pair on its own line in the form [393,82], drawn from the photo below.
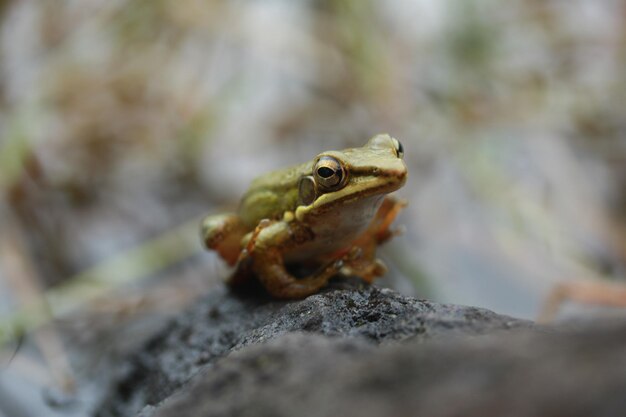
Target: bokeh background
[123,122]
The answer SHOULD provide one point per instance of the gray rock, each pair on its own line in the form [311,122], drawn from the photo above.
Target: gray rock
[223,323]
[574,374]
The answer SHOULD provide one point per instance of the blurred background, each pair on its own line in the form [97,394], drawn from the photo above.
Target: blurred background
[123,122]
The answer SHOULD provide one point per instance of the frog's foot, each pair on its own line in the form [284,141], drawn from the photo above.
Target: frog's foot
[271,271]
[223,233]
[366,270]
[251,240]
[366,266]
[270,268]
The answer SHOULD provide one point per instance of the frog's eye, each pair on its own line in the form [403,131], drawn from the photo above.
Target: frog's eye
[399,148]
[329,173]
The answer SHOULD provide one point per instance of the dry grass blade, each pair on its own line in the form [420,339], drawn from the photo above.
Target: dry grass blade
[145,260]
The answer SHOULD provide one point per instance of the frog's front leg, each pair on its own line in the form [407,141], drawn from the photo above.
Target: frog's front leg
[367,266]
[223,233]
[380,229]
[269,265]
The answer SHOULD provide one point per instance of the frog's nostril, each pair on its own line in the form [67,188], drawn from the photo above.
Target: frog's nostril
[400,175]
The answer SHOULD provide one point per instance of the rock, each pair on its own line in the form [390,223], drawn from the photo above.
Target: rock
[223,323]
[574,374]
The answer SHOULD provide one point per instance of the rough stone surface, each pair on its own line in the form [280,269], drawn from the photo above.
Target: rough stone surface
[223,323]
[570,374]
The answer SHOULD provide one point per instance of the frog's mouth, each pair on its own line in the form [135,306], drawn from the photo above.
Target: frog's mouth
[360,187]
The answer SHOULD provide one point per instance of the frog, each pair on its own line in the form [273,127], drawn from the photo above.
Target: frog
[298,227]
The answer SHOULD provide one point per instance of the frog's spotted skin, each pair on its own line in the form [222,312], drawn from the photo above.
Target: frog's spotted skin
[330,213]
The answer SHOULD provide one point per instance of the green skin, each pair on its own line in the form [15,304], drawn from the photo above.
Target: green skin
[281,220]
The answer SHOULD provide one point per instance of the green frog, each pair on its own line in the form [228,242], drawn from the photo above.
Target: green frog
[324,217]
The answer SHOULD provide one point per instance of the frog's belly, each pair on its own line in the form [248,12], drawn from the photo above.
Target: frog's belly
[320,248]
[333,233]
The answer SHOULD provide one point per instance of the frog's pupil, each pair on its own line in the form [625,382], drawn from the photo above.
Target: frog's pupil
[325,172]
[400,148]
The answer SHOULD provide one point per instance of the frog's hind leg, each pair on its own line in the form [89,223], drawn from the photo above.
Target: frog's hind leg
[223,233]
[270,269]
[268,262]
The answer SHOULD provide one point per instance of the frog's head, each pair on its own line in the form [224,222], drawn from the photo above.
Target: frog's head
[353,179]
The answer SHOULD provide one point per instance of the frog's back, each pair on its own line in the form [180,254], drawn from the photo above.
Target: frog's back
[272,194]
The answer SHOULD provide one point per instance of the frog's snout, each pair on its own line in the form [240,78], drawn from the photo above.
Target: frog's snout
[398,174]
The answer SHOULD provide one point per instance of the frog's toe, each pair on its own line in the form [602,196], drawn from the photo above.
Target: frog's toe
[368,271]
[378,268]
[355,253]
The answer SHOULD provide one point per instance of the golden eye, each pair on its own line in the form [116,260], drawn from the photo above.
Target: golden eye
[329,173]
